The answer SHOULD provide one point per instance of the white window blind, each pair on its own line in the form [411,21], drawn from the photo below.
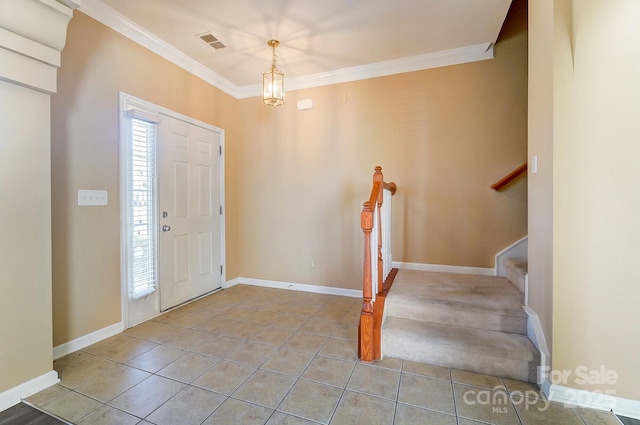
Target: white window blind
[141,209]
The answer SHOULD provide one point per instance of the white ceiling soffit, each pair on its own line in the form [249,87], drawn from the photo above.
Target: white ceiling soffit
[362,39]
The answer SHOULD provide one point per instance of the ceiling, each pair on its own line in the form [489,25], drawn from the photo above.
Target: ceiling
[318,38]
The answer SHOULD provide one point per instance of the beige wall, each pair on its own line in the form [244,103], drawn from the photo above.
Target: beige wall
[97,63]
[295,180]
[584,202]
[443,135]
[25,244]
[596,191]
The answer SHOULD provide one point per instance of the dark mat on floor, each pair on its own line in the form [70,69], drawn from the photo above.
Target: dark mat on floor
[628,421]
[22,414]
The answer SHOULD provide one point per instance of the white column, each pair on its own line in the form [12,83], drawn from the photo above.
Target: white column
[374,253]
[386,232]
[32,35]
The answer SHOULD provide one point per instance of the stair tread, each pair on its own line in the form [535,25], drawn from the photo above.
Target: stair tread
[480,341]
[468,307]
[487,294]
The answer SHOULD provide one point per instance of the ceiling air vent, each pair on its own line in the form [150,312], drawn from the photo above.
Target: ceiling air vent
[212,41]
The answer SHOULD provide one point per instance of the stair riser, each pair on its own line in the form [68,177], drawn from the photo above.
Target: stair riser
[446,357]
[517,277]
[516,271]
[465,318]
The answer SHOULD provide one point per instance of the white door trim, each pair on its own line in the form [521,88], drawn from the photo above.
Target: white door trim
[128,102]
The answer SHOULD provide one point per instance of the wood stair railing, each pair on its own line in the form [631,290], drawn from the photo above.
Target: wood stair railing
[509,177]
[377,266]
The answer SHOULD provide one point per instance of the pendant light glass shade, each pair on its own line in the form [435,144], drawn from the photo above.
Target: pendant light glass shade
[273,81]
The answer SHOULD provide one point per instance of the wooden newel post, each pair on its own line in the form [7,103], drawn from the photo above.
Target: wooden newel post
[365,334]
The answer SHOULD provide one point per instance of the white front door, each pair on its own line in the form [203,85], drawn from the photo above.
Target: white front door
[189,205]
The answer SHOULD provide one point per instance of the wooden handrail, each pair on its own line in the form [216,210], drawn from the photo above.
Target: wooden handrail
[370,316]
[509,177]
[375,192]
[391,187]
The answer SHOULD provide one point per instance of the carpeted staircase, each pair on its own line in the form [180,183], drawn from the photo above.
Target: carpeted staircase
[461,321]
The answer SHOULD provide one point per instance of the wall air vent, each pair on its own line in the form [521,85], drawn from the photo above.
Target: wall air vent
[212,41]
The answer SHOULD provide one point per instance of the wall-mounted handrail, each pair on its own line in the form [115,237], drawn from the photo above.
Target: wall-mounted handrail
[391,187]
[509,177]
[375,221]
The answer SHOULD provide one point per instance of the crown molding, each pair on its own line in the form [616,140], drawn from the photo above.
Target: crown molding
[119,23]
[382,69]
[71,4]
[32,35]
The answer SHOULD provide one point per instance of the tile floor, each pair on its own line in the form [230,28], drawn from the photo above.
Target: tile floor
[251,355]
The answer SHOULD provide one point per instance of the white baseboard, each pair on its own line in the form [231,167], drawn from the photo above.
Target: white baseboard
[444,268]
[230,283]
[12,396]
[568,395]
[536,335]
[86,340]
[593,400]
[329,290]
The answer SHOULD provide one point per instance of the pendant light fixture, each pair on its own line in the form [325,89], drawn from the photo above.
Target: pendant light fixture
[273,80]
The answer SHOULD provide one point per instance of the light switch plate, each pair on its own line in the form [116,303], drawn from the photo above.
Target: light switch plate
[93,197]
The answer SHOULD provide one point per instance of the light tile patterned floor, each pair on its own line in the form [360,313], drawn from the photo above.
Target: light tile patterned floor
[250,355]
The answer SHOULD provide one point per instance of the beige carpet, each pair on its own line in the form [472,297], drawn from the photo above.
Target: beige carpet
[460,321]
[485,302]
